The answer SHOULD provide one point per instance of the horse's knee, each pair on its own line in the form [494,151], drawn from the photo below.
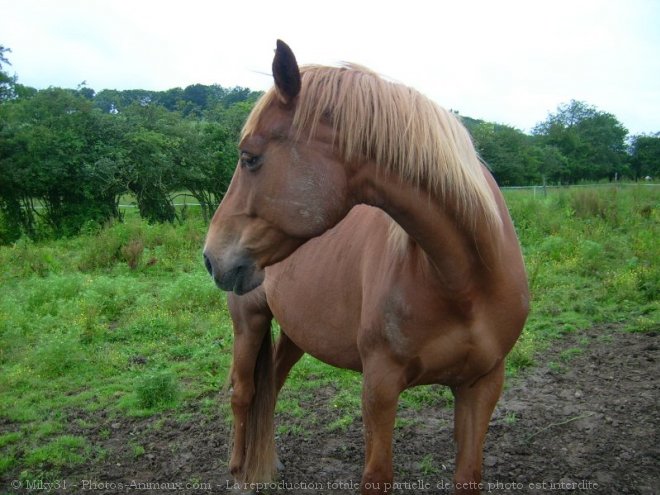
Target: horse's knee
[241,395]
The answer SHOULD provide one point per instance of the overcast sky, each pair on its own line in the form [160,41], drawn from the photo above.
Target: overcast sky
[510,62]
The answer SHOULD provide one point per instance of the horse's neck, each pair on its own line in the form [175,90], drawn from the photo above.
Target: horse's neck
[453,252]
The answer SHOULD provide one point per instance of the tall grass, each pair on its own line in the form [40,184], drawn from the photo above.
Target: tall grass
[591,256]
[125,319]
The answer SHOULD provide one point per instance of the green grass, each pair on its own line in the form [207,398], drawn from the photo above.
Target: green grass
[592,257]
[125,320]
[85,327]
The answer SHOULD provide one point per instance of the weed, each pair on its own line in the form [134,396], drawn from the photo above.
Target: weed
[521,356]
[28,258]
[292,429]
[429,395]
[510,418]
[8,443]
[47,429]
[132,253]
[648,283]
[589,257]
[643,324]
[427,465]
[556,248]
[345,400]
[59,357]
[341,424]
[137,450]
[570,354]
[400,423]
[291,406]
[556,367]
[66,450]
[645,211]
[7,462]
[103,250]
[587,203]
[157,390]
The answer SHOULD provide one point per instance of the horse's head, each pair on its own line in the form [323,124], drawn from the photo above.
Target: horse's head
[288,187]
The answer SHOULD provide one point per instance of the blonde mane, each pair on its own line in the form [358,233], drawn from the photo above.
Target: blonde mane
[398,129]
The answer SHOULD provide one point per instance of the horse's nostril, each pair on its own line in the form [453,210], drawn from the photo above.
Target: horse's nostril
[208,265]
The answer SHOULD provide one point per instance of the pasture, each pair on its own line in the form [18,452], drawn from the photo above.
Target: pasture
[115,347]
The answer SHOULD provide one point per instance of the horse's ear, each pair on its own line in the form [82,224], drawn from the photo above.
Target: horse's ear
[286,73]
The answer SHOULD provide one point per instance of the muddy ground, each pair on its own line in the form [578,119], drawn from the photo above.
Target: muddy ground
[584,420]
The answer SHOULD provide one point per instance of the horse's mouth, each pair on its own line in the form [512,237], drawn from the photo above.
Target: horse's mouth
[241,278]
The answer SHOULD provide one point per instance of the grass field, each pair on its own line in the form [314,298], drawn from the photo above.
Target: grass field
[127,321]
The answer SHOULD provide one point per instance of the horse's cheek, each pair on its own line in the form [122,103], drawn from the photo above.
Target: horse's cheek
[324,199]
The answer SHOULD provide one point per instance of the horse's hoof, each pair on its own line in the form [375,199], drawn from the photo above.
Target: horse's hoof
[242,491]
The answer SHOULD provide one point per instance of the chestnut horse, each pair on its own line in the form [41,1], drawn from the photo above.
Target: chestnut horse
[361,218]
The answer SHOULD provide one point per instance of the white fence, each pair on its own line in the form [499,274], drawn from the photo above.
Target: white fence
[541,190]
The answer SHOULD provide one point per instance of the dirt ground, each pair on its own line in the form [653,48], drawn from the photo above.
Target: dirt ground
[585,419]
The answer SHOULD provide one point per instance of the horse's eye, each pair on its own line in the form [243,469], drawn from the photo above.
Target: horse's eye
[249,161]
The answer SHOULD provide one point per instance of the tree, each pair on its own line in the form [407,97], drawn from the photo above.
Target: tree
[170,99]
[54,161]
[553,166]
[205,162]
[507,151]
[52,145]
[197,94]
[7,82]
[150,145]
[592,142]
[645,156]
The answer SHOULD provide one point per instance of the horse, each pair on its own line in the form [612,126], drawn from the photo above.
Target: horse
[361,218]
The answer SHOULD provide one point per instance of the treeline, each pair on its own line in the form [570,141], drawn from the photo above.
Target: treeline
[577,143]
[68,156]
[65,161]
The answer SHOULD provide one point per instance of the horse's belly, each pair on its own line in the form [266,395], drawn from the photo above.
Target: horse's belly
[320,325]
[316,293]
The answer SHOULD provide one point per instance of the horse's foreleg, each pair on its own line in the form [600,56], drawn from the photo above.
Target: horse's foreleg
[246,349]
[382,384]
[251,326]
[473,409]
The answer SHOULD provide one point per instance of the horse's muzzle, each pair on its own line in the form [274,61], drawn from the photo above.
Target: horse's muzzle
[239,276]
